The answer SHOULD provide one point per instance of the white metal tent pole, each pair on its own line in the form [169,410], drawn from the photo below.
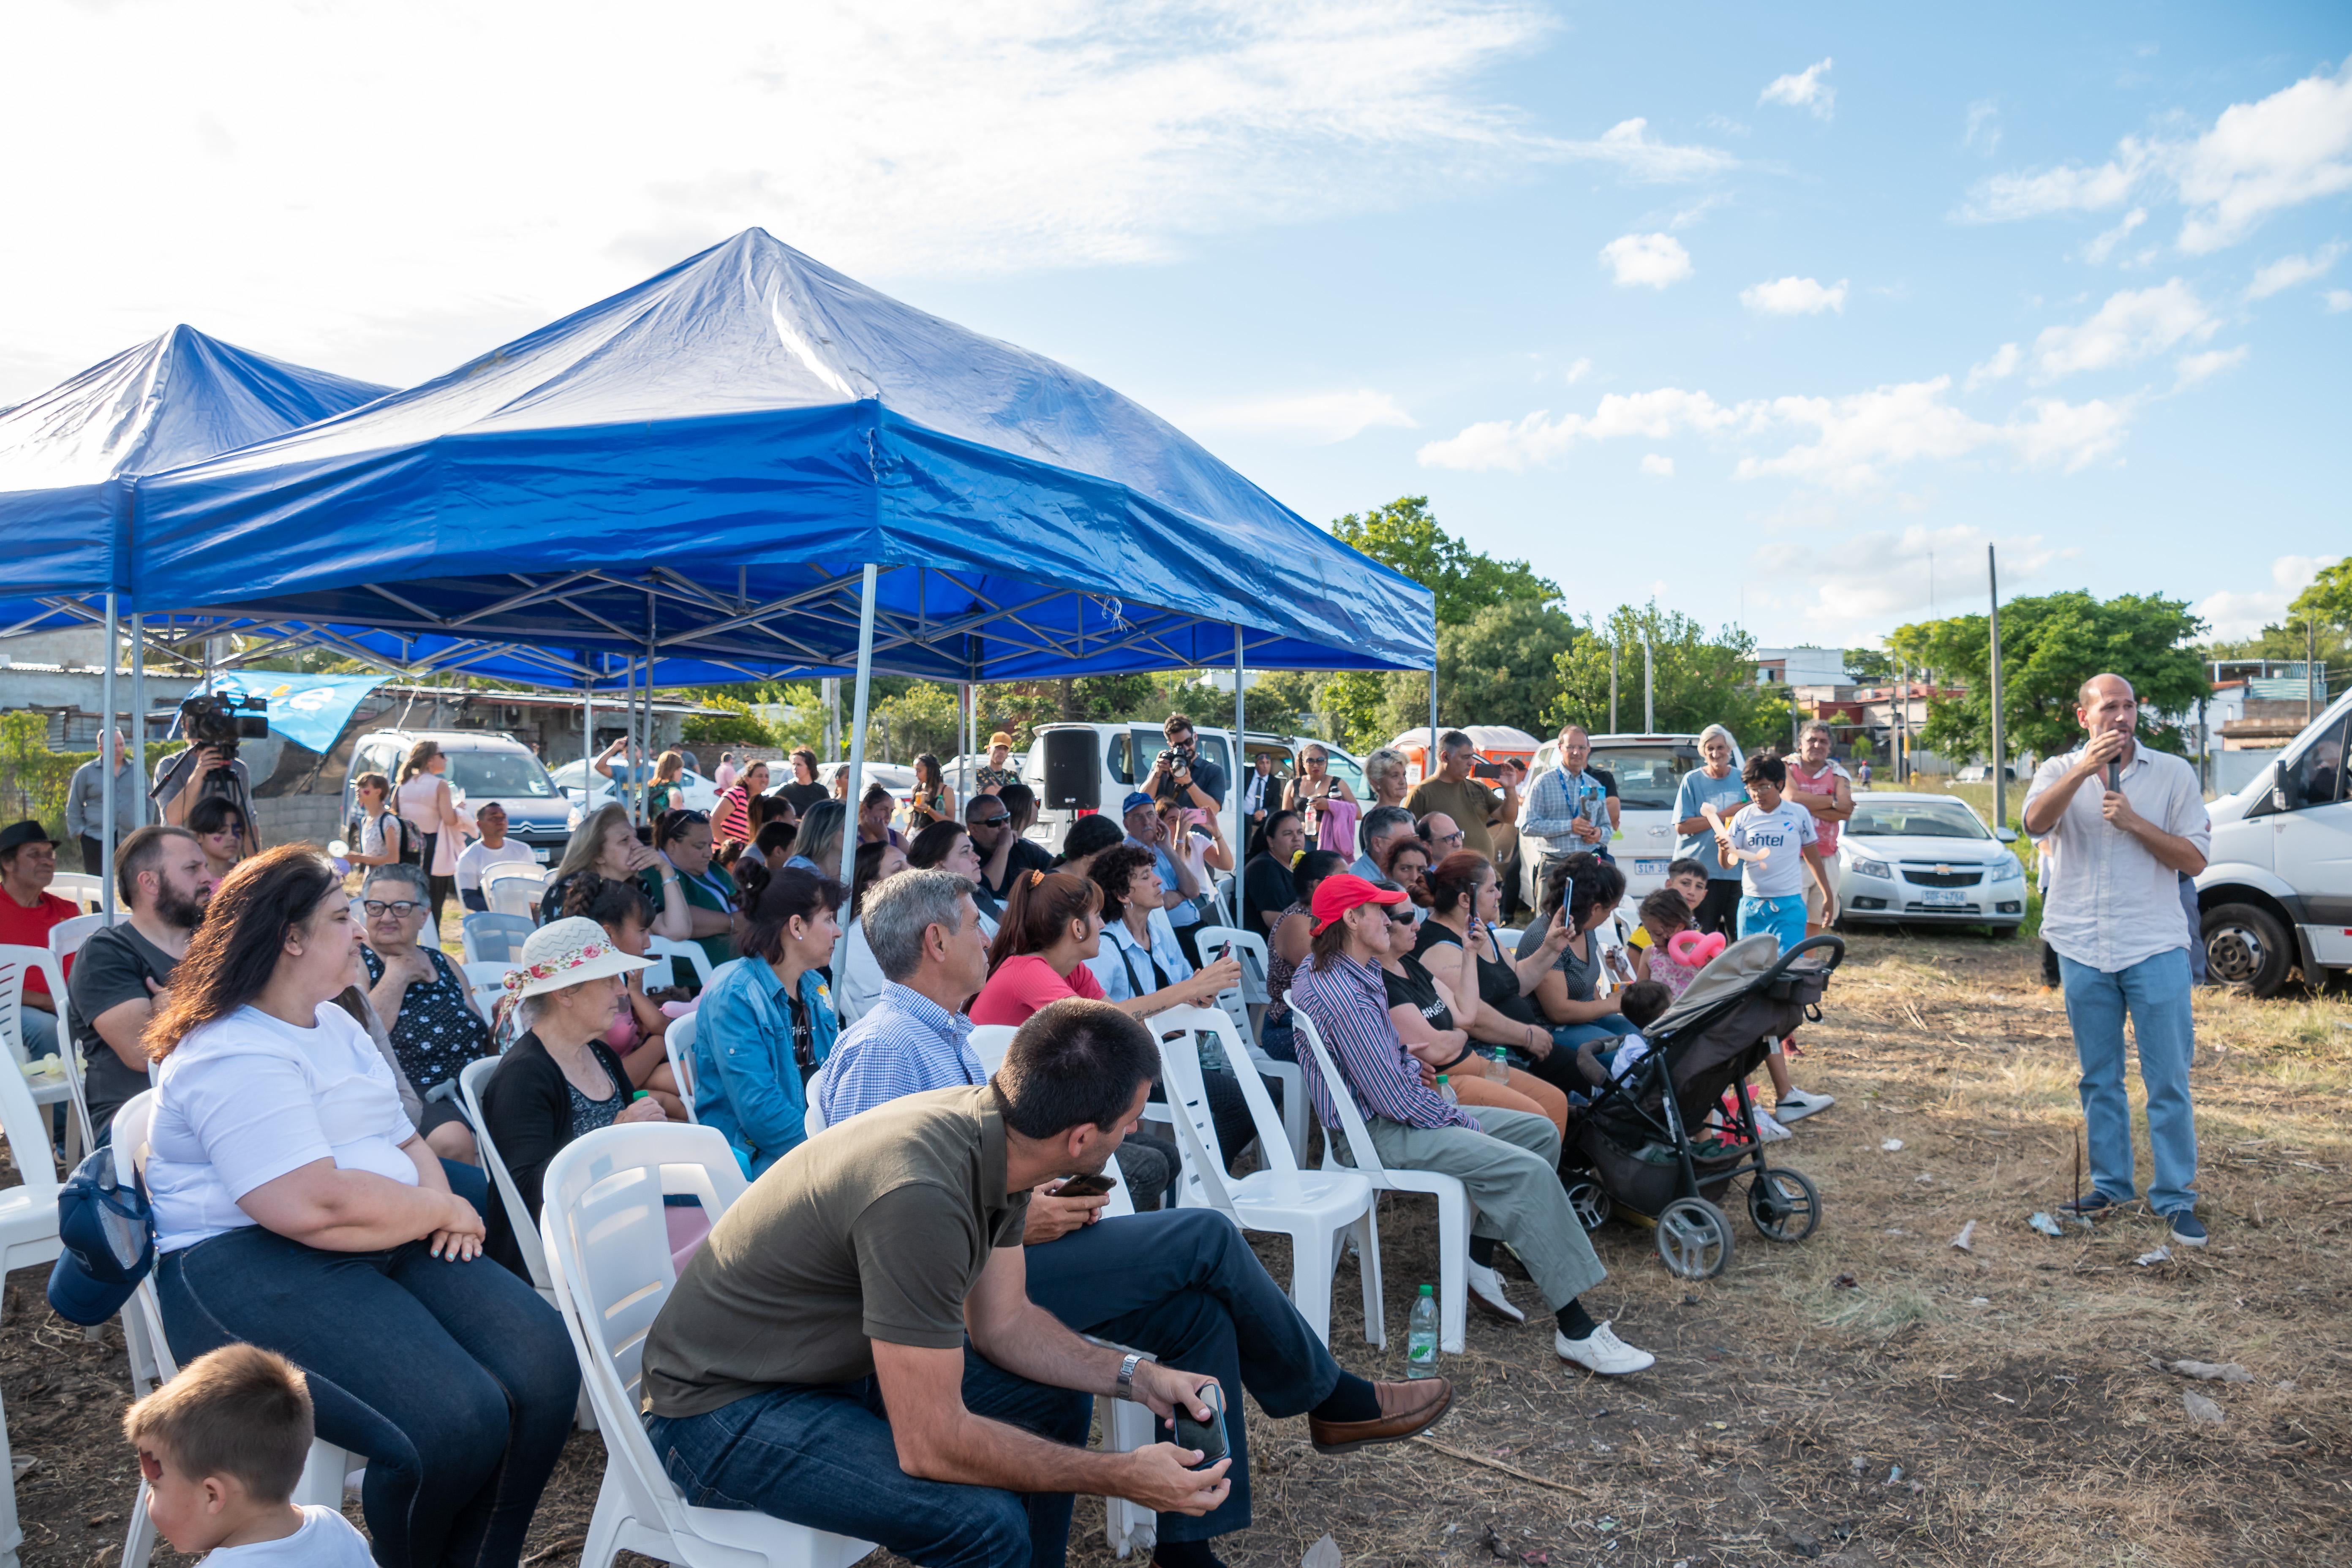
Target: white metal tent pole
[849,869]
[1429,761]
[588,735]
[1999,761]
[138,707]
[967,701]
[1234,785]
[109,759]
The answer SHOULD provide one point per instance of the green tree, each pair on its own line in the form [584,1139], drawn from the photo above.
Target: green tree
[1697,679]
[1404,535]
[1501,667]
[1868,666]
[2328,602]
[2049,646]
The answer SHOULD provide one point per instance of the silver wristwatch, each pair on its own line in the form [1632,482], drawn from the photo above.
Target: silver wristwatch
[1133,1359]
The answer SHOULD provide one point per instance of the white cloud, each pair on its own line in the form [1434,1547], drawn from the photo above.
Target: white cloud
[2194,368]
[1983,133]
[1647,260]
[2289,271]
[1803,89]
[2339,301]
[2130,326]
[2280,152]
[1874,580]
[1659,465]
[1318,417]
[1857,441]
[2001,367]
[473,171]
[1794,296]
[2232,613]
[1577,371]
[2099,249]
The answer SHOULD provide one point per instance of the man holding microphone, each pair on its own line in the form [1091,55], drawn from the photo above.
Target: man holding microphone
[2125,822]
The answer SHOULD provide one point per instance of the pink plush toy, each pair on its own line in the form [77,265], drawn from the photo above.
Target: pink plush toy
[1694,949]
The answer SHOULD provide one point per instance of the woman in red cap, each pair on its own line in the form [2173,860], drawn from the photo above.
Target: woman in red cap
[1508,1159]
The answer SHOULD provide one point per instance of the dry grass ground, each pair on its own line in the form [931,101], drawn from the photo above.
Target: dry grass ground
[1871,1396]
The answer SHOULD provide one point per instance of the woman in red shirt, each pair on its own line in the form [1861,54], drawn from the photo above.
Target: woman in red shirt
[1051,925]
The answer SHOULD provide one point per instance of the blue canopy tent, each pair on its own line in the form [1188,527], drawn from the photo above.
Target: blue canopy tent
[68,459]
[752,458]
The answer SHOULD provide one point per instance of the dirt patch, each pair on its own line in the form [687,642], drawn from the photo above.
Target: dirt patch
[2004,1405]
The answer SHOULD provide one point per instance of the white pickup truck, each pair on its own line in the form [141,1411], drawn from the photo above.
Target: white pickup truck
[2276,892]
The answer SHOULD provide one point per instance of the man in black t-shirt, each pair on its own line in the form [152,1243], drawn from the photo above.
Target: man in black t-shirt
[122,971]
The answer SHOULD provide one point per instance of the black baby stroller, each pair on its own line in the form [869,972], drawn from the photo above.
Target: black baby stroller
[1638,1148]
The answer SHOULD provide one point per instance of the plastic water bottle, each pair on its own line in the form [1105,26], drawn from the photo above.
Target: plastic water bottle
[1420,1336]
[1502,1065]
[1446,1090]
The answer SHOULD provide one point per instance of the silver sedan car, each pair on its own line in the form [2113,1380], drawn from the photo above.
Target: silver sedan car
[1926,860]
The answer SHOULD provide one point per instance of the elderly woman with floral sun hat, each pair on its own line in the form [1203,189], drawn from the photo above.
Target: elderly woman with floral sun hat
[559,1080]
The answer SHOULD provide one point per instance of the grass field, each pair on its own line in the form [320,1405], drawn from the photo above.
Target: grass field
[1870,1396]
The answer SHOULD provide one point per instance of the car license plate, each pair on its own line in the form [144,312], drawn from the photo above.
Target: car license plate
[546,855]
[1943,897]
[1650,867]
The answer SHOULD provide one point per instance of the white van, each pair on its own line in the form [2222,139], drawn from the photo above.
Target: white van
[2276,892]
[1649,771]
[1078,769]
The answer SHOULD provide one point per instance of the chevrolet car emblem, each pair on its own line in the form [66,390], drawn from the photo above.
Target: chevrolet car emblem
[1943,870]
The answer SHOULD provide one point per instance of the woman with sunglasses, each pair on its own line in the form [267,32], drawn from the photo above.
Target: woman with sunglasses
[711,894]
[425,1005]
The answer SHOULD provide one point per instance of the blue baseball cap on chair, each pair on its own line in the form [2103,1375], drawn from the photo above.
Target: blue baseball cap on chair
[108,1238]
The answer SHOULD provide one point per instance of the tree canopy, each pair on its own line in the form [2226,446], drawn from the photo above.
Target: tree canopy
[2050,646]
[1404,535]
[1697,679]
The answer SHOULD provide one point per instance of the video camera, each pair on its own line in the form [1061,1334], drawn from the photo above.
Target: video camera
[222,719]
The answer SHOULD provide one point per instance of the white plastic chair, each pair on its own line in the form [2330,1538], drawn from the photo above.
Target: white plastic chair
[54,1080]
[493,938]
[514,890]
[989,1043]
[668,947]
[1453,1198]
[328,1473]
[607,1247]
[66,937]
[811,1112]
[678,1043]
[29,1236]
[1314,1208]
[485,982]
[83,888]
[1213,942]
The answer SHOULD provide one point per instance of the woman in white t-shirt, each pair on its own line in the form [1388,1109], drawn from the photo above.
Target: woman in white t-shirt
[297,1208]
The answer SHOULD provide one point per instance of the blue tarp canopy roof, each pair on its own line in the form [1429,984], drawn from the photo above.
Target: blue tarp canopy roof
[178,399]
[702,465]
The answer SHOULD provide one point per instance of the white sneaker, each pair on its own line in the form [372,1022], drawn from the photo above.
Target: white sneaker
[1796,1105]
[1602,1351]
[1767,1131]
[1486,1295]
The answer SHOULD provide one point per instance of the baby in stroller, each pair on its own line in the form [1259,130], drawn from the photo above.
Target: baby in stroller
[1642,1003]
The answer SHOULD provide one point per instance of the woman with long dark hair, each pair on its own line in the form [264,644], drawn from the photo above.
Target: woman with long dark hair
[297,1209]
[683,839]
[765,1023]
[607,845]
[1266,887]
[932,801]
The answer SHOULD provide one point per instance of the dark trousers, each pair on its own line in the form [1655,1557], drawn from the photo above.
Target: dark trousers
[821,1455]
[455,1380]
[1719,910]
[1185,1286]
[93,856]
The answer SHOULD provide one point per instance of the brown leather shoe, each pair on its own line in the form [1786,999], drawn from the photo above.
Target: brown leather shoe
[1405,1408]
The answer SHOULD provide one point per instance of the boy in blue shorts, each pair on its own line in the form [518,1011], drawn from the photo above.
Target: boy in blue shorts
[1778,849]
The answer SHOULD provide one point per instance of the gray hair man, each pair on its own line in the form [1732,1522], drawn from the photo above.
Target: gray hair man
[1570,804]
[1454,791]
[2112,914]
[925,933]
[1379,827]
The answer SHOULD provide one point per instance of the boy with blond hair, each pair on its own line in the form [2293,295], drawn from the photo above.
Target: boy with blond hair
[222,1447]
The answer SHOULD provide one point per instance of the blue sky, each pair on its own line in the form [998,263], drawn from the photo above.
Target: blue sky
[1750,310]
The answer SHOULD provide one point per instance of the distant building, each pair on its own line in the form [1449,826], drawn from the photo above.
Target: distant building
[1800,667]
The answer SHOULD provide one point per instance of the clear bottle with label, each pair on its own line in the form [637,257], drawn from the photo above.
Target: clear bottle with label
[1420,1336]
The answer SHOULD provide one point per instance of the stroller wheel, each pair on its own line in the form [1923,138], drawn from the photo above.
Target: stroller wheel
[1590,1203]
[1695,1239]
[1784,1204]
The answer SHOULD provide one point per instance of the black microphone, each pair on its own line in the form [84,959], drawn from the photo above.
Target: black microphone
[2114,771]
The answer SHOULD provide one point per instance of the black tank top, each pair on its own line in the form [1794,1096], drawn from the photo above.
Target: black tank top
[1498,981]
[1417,989]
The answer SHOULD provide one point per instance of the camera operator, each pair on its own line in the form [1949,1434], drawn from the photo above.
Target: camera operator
[208,766]
[1181,775]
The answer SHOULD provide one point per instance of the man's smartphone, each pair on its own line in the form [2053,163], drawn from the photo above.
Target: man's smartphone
[1209,1435]
[1092,1186]
[1486,770]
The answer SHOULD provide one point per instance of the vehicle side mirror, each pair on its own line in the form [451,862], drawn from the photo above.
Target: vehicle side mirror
[2006,834]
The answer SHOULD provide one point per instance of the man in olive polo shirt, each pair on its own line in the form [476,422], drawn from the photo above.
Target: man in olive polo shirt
[812,1362]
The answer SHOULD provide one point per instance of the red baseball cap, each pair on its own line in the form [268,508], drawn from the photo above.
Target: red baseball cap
[1334,896]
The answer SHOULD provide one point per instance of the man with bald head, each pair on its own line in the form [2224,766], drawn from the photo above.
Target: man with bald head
[2124,823]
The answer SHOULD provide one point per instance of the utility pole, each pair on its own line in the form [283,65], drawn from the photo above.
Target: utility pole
[2310,666]
[1999,766]
[1613,687]
[1649,690]
[1897,716]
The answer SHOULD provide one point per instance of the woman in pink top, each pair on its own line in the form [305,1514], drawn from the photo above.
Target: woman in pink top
[1823,788]
[1051,925]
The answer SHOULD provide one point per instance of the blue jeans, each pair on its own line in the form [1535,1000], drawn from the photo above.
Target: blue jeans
[2155,992]
[1185,1285]
[1608,1029]
[454,1379]
[1279,1038]
[821,1455]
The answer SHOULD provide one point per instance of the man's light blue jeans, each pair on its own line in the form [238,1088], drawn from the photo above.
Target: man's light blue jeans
[2155,992]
